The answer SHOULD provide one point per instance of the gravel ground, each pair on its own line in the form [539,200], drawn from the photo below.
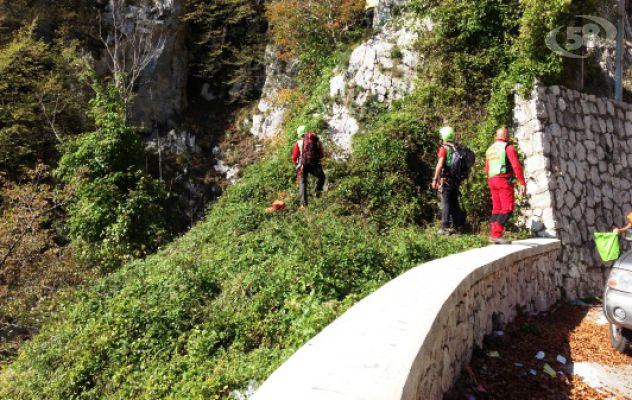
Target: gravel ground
[508,366]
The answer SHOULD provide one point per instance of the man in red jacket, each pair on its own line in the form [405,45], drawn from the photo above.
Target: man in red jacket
[307,155]
[502,166]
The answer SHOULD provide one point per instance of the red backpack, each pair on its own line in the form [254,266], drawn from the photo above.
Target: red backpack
[311,148]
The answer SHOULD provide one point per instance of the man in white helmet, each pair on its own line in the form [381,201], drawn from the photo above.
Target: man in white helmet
[452,216]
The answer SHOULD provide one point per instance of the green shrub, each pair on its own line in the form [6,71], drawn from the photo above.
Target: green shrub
[118,211]
[228,39]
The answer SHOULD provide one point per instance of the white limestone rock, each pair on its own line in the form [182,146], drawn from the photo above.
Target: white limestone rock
[381,69]
[269,118]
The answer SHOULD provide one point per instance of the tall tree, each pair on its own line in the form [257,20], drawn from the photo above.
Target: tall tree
[229,39]
[41,100]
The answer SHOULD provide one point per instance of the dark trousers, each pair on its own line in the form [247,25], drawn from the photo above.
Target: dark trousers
[451,212]
[317,171]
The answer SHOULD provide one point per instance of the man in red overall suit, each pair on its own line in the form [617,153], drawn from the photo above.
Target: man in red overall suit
[502,166]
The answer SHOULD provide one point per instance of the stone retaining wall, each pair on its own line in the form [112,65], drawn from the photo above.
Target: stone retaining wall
[578,155]
[410,339]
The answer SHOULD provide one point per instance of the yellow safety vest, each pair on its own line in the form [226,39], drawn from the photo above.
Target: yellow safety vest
[497,159]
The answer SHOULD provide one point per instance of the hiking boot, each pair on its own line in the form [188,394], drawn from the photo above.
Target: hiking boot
[499,241]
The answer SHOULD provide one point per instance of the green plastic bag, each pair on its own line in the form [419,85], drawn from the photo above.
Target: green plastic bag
[607,245]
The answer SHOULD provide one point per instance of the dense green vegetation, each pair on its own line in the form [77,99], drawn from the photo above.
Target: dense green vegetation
[117,211]
[225,304]
[62,225]
[36,110]
[233,298]
[482,53]
[43,104]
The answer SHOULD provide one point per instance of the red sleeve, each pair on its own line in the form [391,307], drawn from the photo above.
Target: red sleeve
[512,155]
[442,153]
[295,154]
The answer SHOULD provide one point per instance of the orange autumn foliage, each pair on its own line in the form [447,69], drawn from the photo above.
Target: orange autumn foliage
[297,24]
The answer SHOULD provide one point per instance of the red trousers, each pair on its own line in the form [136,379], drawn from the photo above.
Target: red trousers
[503,204]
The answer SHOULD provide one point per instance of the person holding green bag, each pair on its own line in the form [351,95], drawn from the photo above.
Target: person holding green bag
[608,242]
[627,228]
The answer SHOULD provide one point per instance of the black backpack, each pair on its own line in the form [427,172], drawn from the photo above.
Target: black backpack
[463,160]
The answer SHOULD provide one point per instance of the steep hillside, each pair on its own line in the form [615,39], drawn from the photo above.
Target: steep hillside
[176,130]
[220,308]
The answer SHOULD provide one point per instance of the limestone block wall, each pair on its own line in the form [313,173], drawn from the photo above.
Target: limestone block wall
[410,339]
[578,155]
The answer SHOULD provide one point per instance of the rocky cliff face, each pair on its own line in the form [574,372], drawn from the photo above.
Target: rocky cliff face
[380,70]
[387,10]
[270,115]
[161,91]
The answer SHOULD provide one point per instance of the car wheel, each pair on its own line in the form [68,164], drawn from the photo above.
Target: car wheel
[620,338]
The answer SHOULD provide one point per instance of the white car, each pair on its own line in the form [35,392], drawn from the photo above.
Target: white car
[617,303]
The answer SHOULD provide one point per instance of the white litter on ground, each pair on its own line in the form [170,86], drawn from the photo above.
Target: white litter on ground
[246,393]
[561,359]
[540,355]
[615,379]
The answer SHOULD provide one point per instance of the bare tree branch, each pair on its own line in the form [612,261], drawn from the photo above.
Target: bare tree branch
[51,117]
[130,47]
